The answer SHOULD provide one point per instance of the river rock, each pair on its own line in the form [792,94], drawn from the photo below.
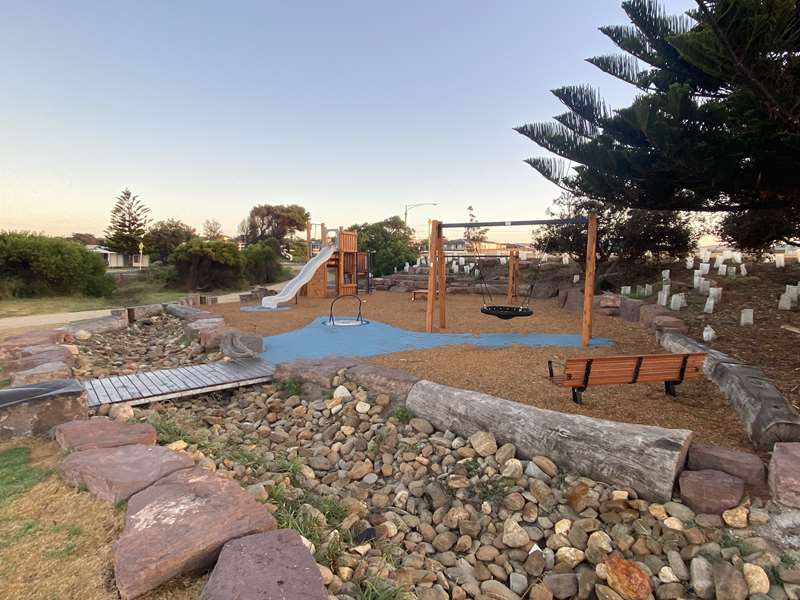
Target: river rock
[710,491]
[627,579]
[483,442]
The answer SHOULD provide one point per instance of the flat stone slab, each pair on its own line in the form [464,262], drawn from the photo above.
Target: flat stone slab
[37,408]
[710,491]
[179,524]
[100,432]
[265,565]
[747,467]
[115,474]
[630,308]
[784,474]
[42,372]
[10,347]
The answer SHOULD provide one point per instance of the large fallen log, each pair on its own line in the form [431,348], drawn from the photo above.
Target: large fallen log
[766,414]
[646,458]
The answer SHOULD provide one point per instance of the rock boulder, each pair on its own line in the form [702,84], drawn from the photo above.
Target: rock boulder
[265,565]
[75,436]
[179,524]
[115,474]
[710,491]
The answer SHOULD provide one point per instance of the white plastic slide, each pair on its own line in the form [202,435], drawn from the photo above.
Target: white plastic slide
[303,277]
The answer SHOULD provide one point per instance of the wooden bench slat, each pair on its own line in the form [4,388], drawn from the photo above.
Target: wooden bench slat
[671,369]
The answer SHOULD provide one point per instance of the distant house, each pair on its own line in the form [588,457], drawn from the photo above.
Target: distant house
[486,248]
[115,260]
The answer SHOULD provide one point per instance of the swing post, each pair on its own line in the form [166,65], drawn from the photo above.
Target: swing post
[588,286]
[442,283]
[513,267]
[433,275]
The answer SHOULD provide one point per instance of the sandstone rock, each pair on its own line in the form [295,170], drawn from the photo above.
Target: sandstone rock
[648,312]
[35,409]
[784,473]
[115,474]
[736,517]
[179,525]
[562,585]
[669,324]
[744,465]
[121,412]
[756,579]
[75,436]
[710,491]
[497,591]
[627,579]
[421,425]
[729,583]
[629,309]
[540,592]
[10,346]
[275,564]
[514,536]
[43,372]
[483,442]
[702,578]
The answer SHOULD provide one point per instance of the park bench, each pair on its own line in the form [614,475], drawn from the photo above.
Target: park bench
[423,293]
[671,369]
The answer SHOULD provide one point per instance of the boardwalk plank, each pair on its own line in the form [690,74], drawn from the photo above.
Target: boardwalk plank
[150,386]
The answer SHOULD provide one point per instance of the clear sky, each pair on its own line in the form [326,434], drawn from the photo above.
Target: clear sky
[351,109]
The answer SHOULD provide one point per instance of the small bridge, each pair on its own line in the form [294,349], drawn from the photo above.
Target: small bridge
[164,384]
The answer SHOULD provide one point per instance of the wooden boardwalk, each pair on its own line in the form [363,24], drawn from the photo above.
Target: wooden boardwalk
[151,386]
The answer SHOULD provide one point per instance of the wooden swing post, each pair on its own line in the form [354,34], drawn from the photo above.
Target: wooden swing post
[513,262]
[433,275]
[588,286]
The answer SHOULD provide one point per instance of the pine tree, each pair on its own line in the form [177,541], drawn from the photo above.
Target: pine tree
[715,127]
[128,224]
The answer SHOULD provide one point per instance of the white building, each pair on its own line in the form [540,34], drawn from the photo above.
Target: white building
[115,260]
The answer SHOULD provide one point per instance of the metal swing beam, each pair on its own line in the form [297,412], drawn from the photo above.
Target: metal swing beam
[437,288]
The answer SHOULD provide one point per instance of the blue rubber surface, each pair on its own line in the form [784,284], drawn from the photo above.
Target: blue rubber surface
[316,340]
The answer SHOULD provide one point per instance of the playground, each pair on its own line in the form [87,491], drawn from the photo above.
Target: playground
[515,371]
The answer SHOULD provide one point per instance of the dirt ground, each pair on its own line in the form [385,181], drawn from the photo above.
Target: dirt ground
[767,344]
[520,373]
[56,541]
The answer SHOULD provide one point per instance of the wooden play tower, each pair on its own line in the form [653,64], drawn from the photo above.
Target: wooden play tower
[340,274]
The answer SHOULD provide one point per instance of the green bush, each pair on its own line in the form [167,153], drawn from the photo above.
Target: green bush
[207,265]
[261,263]
[37,265]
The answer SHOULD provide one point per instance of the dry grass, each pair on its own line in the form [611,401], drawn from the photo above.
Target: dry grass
[56,541]
[520,373]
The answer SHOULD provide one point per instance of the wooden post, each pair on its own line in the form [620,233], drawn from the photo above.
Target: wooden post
[432,275]
[442,285]
[308,241]
[512,268]
[588,285]
[340,265]
[323,235]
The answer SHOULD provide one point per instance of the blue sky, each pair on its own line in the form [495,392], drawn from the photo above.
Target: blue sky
[350,108]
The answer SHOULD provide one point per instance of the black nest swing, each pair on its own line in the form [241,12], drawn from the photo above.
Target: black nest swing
[505,312]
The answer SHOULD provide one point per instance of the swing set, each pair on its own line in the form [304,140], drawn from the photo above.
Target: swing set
[437,275]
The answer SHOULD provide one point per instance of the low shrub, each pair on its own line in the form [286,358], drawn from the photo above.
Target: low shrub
[37,265]
[261,263]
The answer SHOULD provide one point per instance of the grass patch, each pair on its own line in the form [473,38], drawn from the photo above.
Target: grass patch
[292,386]
[17,475]
[493,490]
[4,383]
[402,414]
[168,431]
[376,588]
[19,531]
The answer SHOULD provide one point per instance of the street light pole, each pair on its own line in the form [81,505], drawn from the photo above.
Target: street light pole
[409,206]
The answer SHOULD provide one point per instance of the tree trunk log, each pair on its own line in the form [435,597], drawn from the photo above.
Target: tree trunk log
[766,414]
[645,458]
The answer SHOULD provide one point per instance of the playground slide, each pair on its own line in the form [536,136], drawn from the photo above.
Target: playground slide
[303,277]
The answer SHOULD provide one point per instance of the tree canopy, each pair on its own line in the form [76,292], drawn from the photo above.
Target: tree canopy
[164,236]
[277,221]
[716,126]
[390,243]
[128,224]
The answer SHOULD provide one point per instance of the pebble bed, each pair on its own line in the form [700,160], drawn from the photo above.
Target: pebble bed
[156,342]
[393,508]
